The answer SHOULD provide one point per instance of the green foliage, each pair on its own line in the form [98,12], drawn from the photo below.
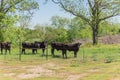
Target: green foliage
[106,28]
[12,34]
[1,36]
[36,34]
[10,11]
[61,35]
[78,29]
[108,59]
[58,21]
[10,8]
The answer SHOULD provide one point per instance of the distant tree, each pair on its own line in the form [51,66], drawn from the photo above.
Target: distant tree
[108,28]
[60,25]
[93,12]
[59,22]
[39,32]
[78,29]
[50,35]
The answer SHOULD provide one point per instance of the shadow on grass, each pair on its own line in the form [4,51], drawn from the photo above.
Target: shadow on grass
[56,56]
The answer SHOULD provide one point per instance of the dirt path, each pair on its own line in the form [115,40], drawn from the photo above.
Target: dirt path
[79,76]
[27,72]
[49,70]
[76,77]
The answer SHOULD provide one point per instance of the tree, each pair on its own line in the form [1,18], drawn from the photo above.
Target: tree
[59,22]
[10,9]
[78,29]
[60,25]
[93,12]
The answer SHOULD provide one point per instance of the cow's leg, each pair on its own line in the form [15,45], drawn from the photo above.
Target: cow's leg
[75,54]
[33,51]
[5,51]
[36,50]
[64,54]
[52,51]
[43,51]
[9,51]
[23,51]
[1,50]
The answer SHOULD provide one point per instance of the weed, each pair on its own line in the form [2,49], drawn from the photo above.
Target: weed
[108,59]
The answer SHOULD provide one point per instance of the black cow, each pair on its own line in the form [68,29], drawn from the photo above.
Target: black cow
[64,47]
[72,47]
[34,46]
[5,46]
[41,45]
[26,45]
[57,46]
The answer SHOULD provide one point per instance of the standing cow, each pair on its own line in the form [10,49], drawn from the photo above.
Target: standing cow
[41,45]
[73,47]
[58,46]
[5,46]
[26,45]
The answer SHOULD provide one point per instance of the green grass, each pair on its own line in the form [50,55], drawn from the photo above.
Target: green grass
[99,62]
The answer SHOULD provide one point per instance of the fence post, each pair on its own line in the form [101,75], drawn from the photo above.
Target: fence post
[83,55]
[19,51]
[47,53]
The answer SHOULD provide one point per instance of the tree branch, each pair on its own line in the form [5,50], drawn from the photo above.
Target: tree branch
[1,5]
[112,15]
[74,13]
[10,6]
[90,5]
[56,2]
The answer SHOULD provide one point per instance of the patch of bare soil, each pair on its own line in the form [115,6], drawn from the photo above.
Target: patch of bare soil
[35,71]
[48,70]
[117,77]
[28,72]
[109,39]
[77,76]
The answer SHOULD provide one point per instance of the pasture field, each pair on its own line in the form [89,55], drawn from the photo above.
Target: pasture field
[101,62]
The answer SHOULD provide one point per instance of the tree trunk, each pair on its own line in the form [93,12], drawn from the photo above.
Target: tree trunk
[95,35]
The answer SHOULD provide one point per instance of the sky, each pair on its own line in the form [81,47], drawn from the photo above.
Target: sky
[46,11]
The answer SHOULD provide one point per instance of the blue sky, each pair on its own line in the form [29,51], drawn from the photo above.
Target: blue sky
[46,11]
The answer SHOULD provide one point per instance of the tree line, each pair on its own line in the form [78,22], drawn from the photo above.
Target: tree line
[69,30]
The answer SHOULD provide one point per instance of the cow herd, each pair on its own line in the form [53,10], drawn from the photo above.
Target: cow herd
[34,46]
[64,47]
